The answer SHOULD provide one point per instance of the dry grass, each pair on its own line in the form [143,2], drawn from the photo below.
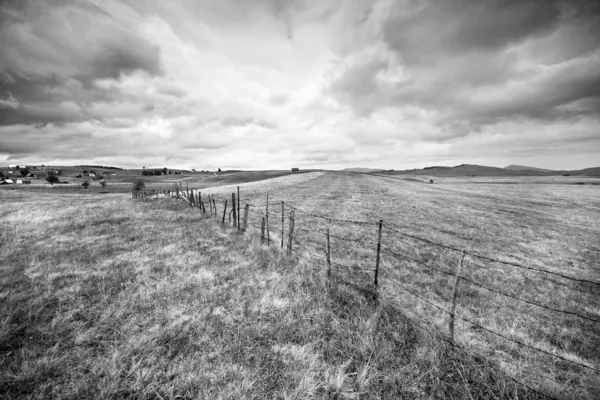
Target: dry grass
[549,226]
[106,298]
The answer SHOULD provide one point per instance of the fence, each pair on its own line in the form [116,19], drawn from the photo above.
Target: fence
[372,277]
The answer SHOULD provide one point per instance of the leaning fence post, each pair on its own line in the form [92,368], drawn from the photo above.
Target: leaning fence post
[233,209]
[291,232]
[215,206]
[282,222]
[262,231]
[378,254]
[455,294]
[328,254]
[224,211]
[246,208]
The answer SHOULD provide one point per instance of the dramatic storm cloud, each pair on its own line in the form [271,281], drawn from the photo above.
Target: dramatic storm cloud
[275,84]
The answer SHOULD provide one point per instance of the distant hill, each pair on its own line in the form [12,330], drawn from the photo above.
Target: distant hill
[523,167]
[361,169]
[482,170]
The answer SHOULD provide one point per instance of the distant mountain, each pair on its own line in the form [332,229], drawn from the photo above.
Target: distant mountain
[523,167]
[482,170]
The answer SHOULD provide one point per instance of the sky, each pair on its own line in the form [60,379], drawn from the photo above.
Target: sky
[275,84]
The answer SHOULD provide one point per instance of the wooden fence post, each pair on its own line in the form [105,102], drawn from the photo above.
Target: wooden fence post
[233,207]
[262,231]
[378,254]
[455,294]
[246,209]
[282,222]
[224,211]
[267,221]
[291,232]
[328,254]
[215,206]
[238,208]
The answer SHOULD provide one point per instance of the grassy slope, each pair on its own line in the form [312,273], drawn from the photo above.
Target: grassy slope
[102,298]
[121,183]
[548,226]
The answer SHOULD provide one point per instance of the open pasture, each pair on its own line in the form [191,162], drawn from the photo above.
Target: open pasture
[547,226]
[105,297]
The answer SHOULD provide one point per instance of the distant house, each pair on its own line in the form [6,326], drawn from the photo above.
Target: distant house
[295,169]
[31,175]
[92,174]
[19,181]
[7,181]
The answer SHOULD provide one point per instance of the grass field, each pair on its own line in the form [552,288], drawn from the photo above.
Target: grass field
[123,180]
[108,298]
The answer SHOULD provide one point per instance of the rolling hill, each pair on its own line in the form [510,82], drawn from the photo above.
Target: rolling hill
[523,167]
[482,170]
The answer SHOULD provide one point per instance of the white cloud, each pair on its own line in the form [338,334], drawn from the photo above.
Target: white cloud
[268,84]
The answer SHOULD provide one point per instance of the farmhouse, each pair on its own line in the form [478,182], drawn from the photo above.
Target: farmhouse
[7,181]
[19,181]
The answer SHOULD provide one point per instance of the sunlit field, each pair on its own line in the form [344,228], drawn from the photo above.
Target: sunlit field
[107,297]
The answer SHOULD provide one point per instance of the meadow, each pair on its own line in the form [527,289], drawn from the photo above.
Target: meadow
[105,297]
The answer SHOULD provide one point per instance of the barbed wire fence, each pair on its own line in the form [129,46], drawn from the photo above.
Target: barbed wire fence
[225,209]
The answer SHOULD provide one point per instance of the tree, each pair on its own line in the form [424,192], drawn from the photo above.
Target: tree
[139,185]
[85,184]
[219,169]
[52,179]
[165,170]
[1,174]
[24,172]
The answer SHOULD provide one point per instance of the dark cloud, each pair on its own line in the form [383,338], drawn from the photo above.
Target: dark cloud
[421,30]
[55,52]
[468,63]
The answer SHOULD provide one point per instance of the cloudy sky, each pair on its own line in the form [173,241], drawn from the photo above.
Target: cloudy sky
[279,83]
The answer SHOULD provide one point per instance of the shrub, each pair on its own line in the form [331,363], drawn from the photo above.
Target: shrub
[24,171]
[52,179]
[103,183]
[85,184]
[139,185]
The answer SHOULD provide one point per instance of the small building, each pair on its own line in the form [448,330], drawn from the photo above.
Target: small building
[295,169]
[19,181]
[7,181]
